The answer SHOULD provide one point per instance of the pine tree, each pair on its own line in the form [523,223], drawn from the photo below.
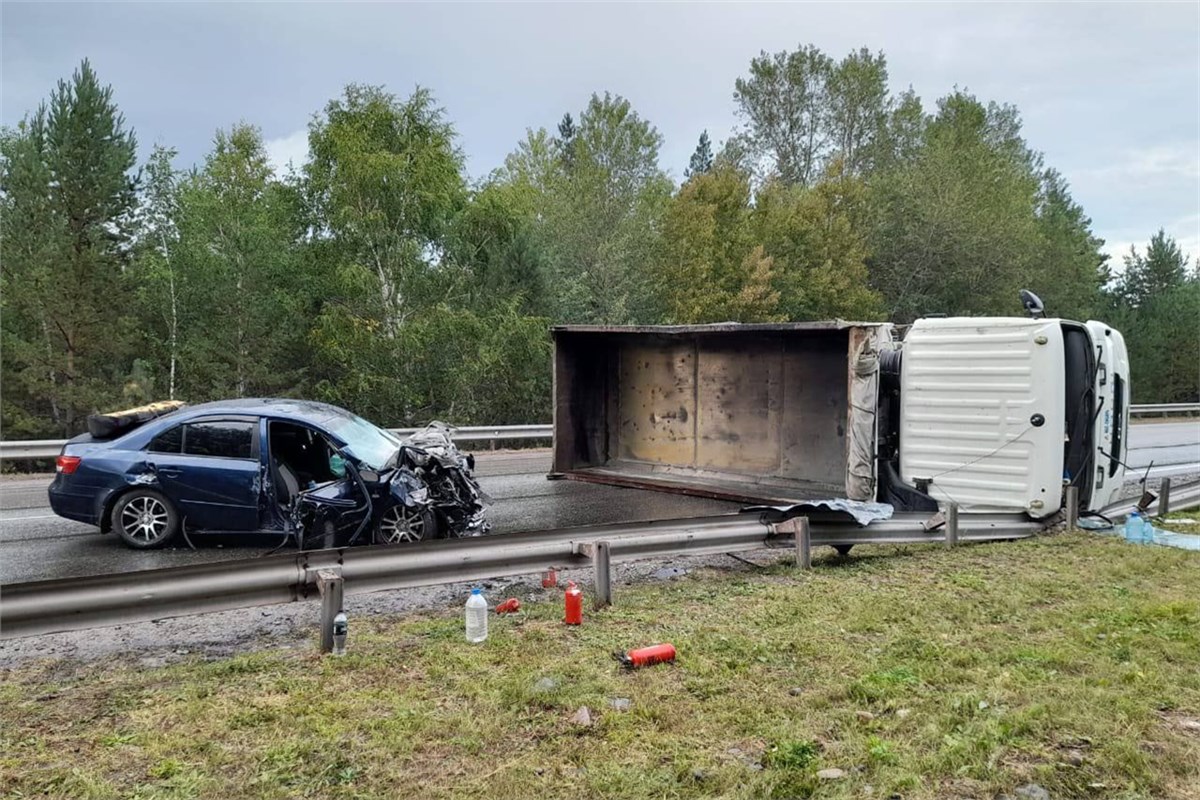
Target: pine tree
[702,158]
[566,140]
[566,128]
[65,269]
[1164,267]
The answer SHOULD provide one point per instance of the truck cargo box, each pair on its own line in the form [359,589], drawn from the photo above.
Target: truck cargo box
[759,413]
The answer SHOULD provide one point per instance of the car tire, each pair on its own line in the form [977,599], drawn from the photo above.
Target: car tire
[402,524]
[145,519]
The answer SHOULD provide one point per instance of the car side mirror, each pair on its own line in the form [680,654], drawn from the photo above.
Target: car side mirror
[369,475]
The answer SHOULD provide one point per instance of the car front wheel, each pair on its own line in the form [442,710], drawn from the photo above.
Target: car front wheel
[401,524]
[145,519]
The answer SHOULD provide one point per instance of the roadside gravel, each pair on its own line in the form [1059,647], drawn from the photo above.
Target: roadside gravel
[223,633]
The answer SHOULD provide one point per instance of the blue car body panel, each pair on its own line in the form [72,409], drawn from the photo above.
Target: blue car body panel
[213,493]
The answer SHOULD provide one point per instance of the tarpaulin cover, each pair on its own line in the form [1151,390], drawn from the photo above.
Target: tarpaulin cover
[862,512]
[1183,541]
[861,422]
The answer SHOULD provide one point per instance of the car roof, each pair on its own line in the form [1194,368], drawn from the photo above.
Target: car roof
[319,415]
[277,407]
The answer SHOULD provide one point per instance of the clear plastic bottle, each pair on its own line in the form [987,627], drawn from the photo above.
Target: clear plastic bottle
[341,627]
[1147,531]
[1134,525]
[477,617]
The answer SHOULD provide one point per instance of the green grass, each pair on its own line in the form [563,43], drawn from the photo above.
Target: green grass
[1172,521]
[1072,661]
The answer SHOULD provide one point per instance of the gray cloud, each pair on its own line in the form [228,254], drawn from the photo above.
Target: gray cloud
[1108,91]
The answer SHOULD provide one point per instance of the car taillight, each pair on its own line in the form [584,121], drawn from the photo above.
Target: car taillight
[67,464]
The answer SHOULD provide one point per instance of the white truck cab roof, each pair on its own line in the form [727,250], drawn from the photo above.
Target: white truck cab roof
[992,406]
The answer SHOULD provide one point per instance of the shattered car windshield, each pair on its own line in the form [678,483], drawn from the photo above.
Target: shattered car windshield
[373,446]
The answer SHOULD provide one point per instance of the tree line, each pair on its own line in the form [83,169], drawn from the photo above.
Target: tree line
[377,275]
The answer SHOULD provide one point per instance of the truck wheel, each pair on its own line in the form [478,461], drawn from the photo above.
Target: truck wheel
[145,519]
[401,524]
[843,549]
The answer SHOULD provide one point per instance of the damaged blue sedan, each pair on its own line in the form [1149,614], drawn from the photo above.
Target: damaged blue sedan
[310,472]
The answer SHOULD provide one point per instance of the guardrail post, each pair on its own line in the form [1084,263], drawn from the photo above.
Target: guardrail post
[803,543]
[600,564]
[952,525]
[1164,497]
[329,583]
[1072,509]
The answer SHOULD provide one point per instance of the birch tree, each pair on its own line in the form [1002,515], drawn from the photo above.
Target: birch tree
[159,237]
[596,218]
[783,105]
[384,181]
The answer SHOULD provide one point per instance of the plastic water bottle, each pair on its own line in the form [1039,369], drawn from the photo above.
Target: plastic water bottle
[477,620]
[1147,531]
[1133,528]
[341,627]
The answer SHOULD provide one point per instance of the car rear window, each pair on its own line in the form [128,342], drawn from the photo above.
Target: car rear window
[169,441]
[226,439]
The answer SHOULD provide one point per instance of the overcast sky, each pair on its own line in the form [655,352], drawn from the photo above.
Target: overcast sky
[1109,92]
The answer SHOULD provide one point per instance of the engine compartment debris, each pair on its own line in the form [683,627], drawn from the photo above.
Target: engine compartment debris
[426,490]
[454,494]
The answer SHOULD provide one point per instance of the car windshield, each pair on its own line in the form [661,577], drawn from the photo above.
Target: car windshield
[371,445]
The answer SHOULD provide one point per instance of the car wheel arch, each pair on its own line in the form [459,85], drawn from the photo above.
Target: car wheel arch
[106,506]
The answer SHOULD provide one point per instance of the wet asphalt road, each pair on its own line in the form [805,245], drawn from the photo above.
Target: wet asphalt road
[1164,443]
[36,545]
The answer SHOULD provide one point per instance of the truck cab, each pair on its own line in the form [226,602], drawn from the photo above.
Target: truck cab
[1000,414]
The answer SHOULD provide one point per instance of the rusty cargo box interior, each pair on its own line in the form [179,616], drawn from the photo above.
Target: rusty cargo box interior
[744,412]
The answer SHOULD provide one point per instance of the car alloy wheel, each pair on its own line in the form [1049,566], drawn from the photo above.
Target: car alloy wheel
[145,519]
[401,524]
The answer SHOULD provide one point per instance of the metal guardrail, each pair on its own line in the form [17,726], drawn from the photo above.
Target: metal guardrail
[23,449]
[495,433]
[20,450]
[49,448]
[1165,409]
[1182,497]
[39,607]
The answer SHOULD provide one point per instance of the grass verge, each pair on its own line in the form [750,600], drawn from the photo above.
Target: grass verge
[1071,661]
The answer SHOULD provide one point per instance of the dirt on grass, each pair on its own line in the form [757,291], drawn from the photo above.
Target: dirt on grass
[1070,661]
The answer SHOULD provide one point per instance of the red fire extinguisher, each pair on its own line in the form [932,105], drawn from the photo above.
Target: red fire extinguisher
[574,600]
[549,578]
[647,656]
[509,606]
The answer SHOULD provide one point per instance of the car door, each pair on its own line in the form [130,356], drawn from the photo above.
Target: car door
[210,468]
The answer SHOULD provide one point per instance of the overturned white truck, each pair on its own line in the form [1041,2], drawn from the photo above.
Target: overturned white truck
[995,414]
